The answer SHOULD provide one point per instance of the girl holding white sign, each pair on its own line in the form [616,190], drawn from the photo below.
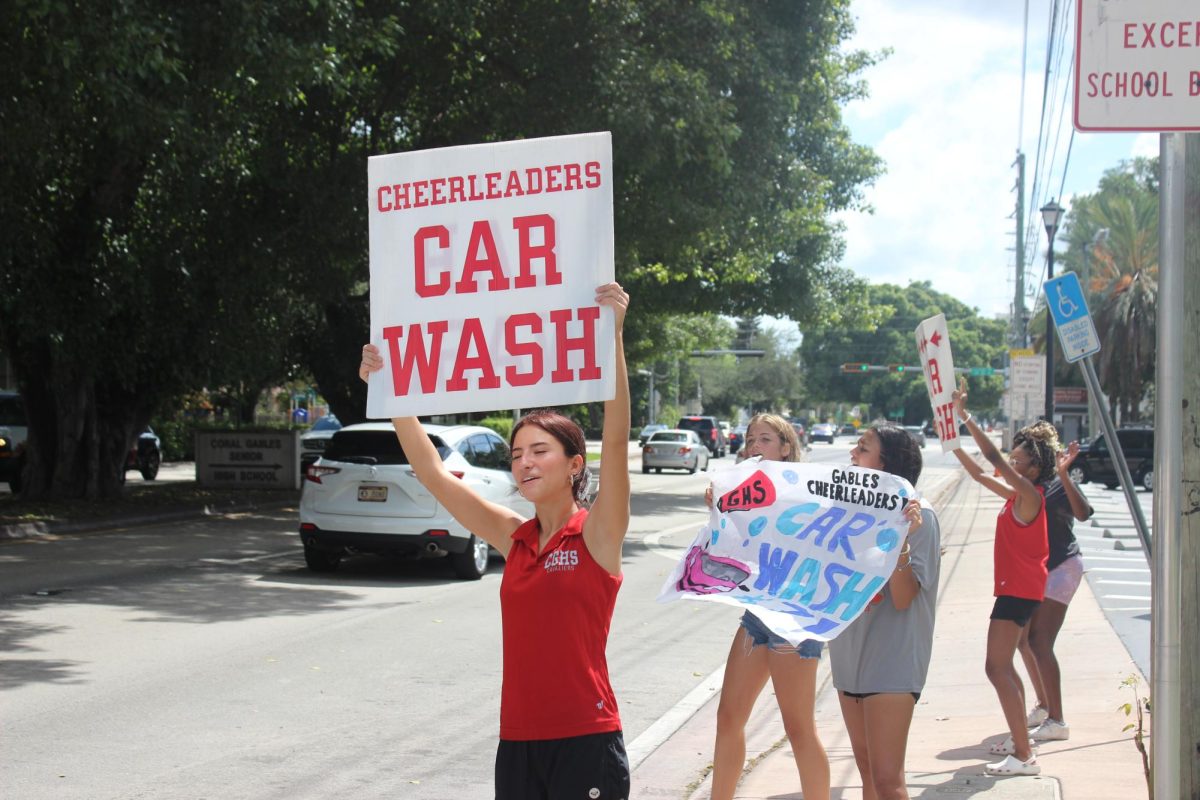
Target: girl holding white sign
[881,660]
[758,654]
[560,731]
[1021,551]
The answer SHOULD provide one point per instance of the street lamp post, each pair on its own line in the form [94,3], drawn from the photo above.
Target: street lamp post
[1051,214]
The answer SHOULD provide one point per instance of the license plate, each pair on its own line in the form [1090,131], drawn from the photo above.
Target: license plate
[372,494]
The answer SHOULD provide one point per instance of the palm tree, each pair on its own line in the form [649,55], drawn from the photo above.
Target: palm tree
[1123,284]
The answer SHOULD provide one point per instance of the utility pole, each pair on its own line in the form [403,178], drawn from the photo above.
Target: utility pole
[1019,333]
[1175,639]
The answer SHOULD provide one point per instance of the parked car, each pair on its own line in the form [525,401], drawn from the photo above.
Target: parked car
[145,455]
[13,432]
[737,438]
[709,431]
[917,432]
[801,433]
[1095,460]
[649,430]
[362,496]
[822,432]
[314,440]
[848,430]
[675,449]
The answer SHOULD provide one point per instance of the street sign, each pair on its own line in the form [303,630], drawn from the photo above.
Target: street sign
[1027,387]
[1135,65]
[1064,298]
[981,371]
[1020,352]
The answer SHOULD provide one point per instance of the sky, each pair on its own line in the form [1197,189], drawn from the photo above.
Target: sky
[944,115]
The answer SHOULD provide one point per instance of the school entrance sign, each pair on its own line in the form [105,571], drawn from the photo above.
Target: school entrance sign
[1136,65]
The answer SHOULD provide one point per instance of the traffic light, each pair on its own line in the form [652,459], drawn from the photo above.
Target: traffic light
[895,368]
[855,367]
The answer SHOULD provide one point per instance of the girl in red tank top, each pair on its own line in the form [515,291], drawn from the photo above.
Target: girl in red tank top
[1019,568]
[560,731]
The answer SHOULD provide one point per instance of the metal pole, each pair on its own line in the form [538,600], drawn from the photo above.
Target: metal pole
[1166,602]
[1050,337]
[1118,456]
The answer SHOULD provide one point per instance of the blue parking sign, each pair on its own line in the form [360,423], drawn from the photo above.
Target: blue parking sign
[1076,332]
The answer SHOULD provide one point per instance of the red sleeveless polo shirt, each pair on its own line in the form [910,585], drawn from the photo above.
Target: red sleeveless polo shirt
[556,607]
[1020,554]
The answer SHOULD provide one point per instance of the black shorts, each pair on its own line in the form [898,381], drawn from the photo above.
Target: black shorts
[592,767]
[916,696]
[1014,609]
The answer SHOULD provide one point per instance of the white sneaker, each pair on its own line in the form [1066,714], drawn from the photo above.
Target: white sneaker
[1011,765]
[1051,731]
[1037,715]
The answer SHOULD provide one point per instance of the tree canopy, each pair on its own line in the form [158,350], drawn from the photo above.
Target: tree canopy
[976,342]
[184,185]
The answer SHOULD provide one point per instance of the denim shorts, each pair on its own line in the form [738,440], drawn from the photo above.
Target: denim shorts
[760,634]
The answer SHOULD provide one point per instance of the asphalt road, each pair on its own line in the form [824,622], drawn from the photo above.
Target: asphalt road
[202,660]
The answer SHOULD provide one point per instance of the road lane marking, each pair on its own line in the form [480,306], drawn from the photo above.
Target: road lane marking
[248,559]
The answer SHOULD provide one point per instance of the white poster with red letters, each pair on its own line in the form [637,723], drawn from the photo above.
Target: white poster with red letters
[937,362]
[484,265]
[805,547]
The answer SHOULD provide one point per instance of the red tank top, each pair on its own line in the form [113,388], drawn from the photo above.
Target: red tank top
[1020,553]
[556,607]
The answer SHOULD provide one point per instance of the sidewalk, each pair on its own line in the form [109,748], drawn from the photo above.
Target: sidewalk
[958,715]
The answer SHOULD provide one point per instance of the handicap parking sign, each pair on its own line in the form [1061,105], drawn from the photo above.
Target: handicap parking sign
[1076,332]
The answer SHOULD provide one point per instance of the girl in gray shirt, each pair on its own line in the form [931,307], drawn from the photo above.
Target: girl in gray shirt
[880,661]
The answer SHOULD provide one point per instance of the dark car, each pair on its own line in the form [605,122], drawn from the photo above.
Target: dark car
[145,455]
[648,431]
[822,432]
[710,433]
[1095,460]
[801,433]
[13,431]
[314,441]
[737,438]
[848,430]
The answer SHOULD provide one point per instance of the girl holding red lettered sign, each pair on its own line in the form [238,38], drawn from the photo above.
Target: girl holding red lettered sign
[560,730]
[1021,552]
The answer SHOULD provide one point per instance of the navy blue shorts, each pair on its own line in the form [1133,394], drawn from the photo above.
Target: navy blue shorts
[594,767]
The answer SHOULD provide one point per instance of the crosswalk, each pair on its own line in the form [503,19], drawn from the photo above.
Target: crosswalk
[1116,567]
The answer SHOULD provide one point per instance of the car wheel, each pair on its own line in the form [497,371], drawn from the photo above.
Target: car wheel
[14,483]
[695,466]
[149,467]
[471,564]
[1108,485]
[645,469]
[319,560]
[1078,474]
[1147,480]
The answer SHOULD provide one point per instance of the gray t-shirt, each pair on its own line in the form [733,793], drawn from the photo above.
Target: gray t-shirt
[887,650]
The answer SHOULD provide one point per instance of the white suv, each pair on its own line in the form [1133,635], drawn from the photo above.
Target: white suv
[362,496]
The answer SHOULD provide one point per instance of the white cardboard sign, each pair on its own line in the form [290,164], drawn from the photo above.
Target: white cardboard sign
[937,362]
[484,265]
[805,547]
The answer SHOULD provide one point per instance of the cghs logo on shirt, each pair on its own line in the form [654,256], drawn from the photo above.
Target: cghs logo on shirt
[561,561]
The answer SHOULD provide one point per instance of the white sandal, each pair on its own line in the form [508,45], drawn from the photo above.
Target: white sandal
[1007,748]
[1011,765]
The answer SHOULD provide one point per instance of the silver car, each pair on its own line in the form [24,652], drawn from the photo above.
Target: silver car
[674,449]
[362,496]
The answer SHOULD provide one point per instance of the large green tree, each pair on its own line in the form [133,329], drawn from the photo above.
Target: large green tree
[975,340]
[1112,238]
[184,185]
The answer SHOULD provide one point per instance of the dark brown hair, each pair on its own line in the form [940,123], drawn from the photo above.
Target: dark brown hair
[569,435]
[900,453]
[1042,449]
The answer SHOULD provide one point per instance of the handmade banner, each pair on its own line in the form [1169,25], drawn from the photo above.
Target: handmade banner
[937,362]
[484,265]
[804,546]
